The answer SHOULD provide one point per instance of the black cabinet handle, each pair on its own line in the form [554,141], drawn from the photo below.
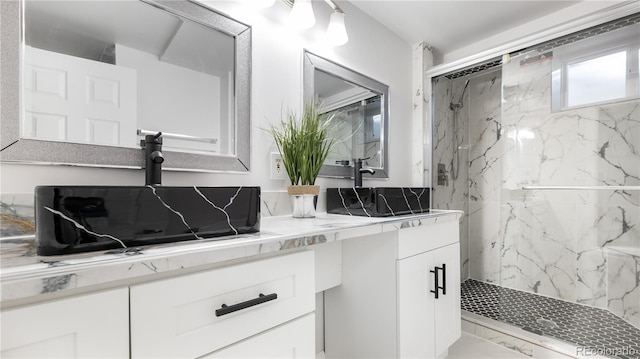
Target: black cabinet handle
[226,309]
[437,286]
[435,279]
[444,279]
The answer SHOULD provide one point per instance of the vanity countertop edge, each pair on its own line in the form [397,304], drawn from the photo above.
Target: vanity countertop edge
[24,274]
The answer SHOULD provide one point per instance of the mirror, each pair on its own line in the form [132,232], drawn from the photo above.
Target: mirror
[100,75]
[360,106]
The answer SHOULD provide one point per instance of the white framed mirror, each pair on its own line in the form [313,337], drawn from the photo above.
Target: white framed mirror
[361,106]
[97,76]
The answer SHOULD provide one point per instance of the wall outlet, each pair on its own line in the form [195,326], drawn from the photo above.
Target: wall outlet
[278,172]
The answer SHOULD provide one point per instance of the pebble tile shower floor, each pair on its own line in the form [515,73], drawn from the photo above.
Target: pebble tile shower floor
[582,326]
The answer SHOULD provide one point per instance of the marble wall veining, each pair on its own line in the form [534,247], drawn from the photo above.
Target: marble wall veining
[577,245]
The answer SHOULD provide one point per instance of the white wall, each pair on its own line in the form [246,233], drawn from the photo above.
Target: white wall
[180,101]
[276,86]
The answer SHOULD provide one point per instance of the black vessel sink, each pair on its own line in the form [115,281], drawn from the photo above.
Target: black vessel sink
[378,201]
[72,219]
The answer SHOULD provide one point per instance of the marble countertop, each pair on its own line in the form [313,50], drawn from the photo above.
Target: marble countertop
[24,274]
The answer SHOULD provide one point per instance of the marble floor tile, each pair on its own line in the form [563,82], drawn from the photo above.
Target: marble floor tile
[470,346]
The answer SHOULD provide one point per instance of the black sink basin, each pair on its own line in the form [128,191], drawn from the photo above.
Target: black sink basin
[378,201]
[72,219]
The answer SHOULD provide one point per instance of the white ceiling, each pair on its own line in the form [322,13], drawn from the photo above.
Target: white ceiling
[449,25]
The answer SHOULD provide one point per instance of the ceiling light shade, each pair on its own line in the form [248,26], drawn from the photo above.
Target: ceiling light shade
[337,32]
[302,14]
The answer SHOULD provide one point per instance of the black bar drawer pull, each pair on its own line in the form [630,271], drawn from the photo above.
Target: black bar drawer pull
[437,286]
[226,309]
[435,279]
[444,279]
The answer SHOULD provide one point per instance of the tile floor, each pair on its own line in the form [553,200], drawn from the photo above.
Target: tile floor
[580,325]
[470,346]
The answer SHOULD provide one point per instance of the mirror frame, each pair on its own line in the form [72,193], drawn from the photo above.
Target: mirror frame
[15,149]
[312,62]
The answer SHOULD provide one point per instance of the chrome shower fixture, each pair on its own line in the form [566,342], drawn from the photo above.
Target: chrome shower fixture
[459,104]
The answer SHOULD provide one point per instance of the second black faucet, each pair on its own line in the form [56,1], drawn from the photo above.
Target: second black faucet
[358,171]
[152,145]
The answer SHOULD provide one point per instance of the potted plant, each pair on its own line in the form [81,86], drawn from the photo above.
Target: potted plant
[304,145]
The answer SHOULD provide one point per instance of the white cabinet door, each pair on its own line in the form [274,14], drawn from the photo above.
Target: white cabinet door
[416,336]
[72,99]
[88,326]
[290,340]
[447,306]
[428,302]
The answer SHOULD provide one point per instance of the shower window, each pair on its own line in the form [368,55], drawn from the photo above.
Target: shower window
[596,70]
[598,79]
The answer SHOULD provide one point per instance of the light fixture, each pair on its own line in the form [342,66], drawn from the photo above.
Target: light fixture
[336,32]
[302,17]
[302,14]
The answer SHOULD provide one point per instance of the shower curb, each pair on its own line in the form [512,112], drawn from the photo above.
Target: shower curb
[517,339]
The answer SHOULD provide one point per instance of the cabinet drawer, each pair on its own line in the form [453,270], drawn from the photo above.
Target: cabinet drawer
[87,326]
[295,339]
[181,317]
[416,240]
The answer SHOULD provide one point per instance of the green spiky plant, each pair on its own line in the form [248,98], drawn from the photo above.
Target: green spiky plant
[304,145]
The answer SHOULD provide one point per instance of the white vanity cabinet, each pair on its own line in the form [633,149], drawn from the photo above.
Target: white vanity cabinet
[386,306]
[429,310]
[241,310]
[86,326]
[375,282]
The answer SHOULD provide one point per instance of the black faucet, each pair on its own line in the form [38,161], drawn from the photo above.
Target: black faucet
[358,171]
[152,145]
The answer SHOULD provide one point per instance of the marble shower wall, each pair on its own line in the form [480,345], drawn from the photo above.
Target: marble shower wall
[453,147]
[577,245]
[351,131]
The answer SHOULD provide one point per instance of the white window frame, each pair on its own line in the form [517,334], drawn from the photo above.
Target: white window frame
[626,39]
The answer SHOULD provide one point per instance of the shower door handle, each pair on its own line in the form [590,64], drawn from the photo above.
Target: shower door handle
[436,271]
